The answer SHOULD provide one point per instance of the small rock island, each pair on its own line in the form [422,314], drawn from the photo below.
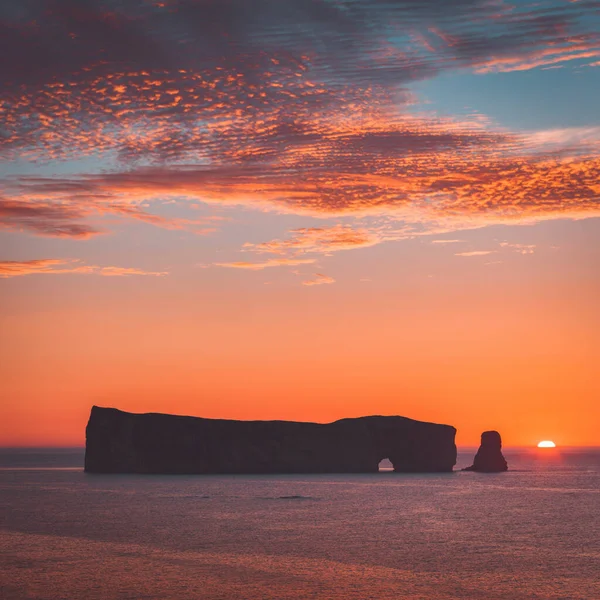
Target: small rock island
[122,442]
[489,458]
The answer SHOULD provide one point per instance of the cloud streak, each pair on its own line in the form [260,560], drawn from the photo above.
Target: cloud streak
[267,264]
[45,218]
[319,279]
[60,214]
[475,253]
[520,248]
[322,240]
[52,266]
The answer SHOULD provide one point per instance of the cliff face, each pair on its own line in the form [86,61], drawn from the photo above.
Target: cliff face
[121,442]
[489,457]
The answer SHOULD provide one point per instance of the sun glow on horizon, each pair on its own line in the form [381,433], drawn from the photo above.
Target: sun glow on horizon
[546,444]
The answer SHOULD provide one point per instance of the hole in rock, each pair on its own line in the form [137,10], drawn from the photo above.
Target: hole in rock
[385,465]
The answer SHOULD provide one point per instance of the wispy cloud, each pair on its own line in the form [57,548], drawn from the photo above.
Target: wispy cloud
[321,240]
[51,266]
[319,279]
[61,214]
[44,218]
[475,253]
[520,248]
[267,264]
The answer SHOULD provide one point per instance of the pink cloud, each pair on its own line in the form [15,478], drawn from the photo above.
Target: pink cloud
[475,253]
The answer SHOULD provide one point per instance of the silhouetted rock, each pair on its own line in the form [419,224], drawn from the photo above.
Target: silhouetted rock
[121,442]
[489,457]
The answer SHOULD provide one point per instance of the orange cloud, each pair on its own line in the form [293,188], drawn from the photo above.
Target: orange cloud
[320,279]
[51,266]
[320,240]
[460,187]
[259,266]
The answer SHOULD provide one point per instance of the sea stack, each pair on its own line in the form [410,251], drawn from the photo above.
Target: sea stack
[489,457]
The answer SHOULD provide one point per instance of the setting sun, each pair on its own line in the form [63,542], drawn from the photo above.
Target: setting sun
[546,444]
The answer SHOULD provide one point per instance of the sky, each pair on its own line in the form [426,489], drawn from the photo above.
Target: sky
[308,210]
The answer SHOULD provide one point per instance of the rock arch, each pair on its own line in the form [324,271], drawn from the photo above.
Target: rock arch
[121,442]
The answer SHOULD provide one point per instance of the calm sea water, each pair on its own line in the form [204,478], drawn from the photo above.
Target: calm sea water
[533,532]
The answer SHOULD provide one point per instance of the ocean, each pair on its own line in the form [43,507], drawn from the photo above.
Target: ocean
[533,532]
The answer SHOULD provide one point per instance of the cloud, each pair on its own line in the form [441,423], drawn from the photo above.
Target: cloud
[520,248]
[574,139]
[319,279]
[124,272]
[320,240]
[447,241]
[62,216]
[259,266]
[300,107]
[475,253]
[464,187]
[45,218]
[51,266]
[191,79]
[565,50]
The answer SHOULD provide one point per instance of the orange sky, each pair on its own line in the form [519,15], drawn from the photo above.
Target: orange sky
[426,334]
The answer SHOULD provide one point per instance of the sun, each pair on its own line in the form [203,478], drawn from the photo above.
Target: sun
[546,444]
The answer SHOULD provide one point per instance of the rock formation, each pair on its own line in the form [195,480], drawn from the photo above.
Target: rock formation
[121,442]
[489,457]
